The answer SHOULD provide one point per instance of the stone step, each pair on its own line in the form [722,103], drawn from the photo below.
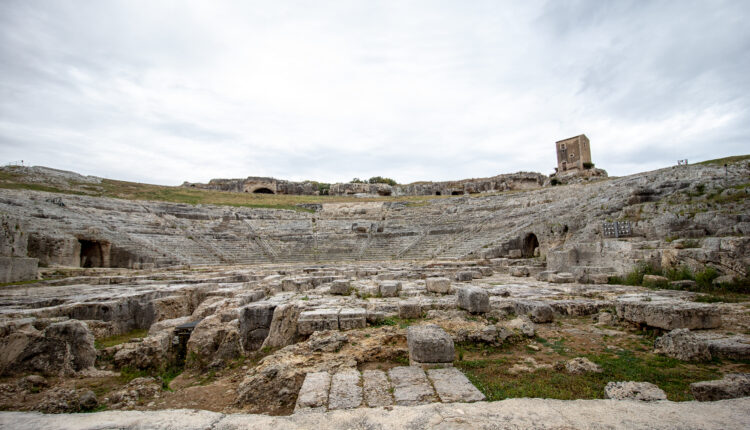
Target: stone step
[377,388]
[403,386]
[346,391]
[453,386]
[410,386]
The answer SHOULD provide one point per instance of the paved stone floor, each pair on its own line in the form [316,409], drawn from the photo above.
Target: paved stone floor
[507,414]
[402,386]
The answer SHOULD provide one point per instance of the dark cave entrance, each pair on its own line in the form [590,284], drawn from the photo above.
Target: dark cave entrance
[437,193]
[92,253]
[530,245]
[263,191]
[457,193]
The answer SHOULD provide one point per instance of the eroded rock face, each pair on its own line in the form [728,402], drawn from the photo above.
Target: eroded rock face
[64,348]
[213,342]
[682,345]
[283,329]
[581,365]
[473,299]
[732,386]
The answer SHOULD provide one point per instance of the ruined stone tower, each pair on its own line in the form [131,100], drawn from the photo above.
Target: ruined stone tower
[573,152]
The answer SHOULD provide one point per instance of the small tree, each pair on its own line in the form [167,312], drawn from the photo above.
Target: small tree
[357,181]
[382,180]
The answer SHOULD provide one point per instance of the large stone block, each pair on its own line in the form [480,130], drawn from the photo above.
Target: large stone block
[341,287]
[464,276]
[682,345]
[438,285]
[667,314]
[352,318]
[314,392]
[732,386]
[14,269]
[317,320]
[255,321]
[452,386]
[409,310]
[410,386]
[346,390]
[429,344]
[389,288]
[643,391]
[376,388]
[473,299]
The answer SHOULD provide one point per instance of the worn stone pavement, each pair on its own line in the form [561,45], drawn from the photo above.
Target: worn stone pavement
[506,414]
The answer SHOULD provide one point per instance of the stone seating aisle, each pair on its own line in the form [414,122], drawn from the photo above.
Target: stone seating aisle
[402,386]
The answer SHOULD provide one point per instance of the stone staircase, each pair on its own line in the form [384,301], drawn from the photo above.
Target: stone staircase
[401,386]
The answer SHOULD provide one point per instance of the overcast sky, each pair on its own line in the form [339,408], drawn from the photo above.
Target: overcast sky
[166,91]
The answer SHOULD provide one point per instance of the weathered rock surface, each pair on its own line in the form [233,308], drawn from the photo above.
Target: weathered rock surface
[438,285]
[731,386]
[682,345]
[429,344]
[452,386]
[346,390]
[643,391]
[473,299]
[667,314]
[581,365]
[376,388]
[410,386]
[513,413]
[63,348]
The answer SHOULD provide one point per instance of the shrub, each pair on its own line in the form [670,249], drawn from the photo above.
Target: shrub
[382,180]
[357,181]
[705,277]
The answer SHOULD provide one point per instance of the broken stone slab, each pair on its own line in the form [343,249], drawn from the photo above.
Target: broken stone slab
[352,318]
[731,386]
[682,345]
[314,392]
[473,299]
[429,345]
[438,285]
[346,390]
[341,287]
[376,388]
[667,314]
[317,320]
[410,386]
[464,276]
[643,391]
[389,288]
[409,309]
[519,271]
[685,284]
[654,281]
[453,386]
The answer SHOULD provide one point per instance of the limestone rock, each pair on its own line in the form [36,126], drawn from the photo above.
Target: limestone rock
[376,388]
[731,386]
[581,365]
[438,285]
[682,345]
[643,391]
[63,348]
[346,390]
[283,329]
[389,288]
[254,324]
[539,312]
[341,287]
[473,299]
[314,392]
[521,325]
[452,386]
[429,344]
[409,310]
[410,386]
[668,314]
[317,320]
[213,342]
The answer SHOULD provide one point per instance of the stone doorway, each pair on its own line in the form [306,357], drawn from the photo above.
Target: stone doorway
[530,246]
[93,253]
